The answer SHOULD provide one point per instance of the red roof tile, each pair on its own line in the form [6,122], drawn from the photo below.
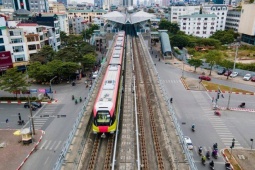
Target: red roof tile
[27,24]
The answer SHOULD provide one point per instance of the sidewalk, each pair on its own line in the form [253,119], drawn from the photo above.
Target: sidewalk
[14,154]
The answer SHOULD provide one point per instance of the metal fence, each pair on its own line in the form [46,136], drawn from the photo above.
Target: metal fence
[173,115]
[70,138]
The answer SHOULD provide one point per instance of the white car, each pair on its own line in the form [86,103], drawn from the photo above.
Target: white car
[247,77]
[188,142]
[234,74]
[94,75]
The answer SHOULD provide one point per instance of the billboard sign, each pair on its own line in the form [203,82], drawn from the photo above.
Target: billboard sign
[5,60]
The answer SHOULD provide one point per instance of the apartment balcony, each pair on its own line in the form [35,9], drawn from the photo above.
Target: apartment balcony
[32,51]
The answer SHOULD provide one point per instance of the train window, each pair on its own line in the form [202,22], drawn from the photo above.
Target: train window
[103,118]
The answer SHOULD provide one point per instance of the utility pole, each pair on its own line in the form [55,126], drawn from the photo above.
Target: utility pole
[30,106]
[231,87]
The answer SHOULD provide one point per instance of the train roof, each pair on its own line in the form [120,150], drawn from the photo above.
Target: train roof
[116,55]
[109,88]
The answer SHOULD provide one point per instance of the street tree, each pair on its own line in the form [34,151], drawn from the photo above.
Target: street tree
[13,81]
[195,62]
[172,28]
[225,37]
[67,54]
[45,55]
[88,60]
[179,41]
[213,57]
[63,38]
[88,32]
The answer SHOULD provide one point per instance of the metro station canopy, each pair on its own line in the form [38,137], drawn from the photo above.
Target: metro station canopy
[134,18]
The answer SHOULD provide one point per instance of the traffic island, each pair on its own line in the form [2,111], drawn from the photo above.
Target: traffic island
[13,152]
[240,159]
[192,84]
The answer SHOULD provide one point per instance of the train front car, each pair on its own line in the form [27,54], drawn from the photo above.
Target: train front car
[106,106]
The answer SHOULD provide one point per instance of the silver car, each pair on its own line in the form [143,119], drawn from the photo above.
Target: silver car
[234,74]
[247,77]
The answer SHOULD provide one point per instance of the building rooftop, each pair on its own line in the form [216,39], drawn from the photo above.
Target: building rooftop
[27,24]
[198,15]
[86,10]
[128,19]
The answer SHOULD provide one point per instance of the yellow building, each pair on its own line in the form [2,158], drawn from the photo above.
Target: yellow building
[87,15]
[56,7]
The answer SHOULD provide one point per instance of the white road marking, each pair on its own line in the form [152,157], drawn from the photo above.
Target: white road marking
[57,145]
[43,144]
[46,147]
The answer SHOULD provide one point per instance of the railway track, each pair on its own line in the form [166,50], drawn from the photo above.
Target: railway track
[101,153]
[149,140]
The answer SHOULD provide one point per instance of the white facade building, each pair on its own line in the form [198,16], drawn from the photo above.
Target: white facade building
[233,19]
[78,25]
[220,11]
[176,11]
[200,25]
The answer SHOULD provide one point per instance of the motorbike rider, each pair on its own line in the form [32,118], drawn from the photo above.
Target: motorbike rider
[211,163]
[80,99]
[200,150]
[208,154]
[215,146]
[193,126]
[214,153]
[203,159]
[171,100]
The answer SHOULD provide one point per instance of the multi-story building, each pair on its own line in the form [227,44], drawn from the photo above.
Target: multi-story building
[88,15]
[56,7]
[233,19]
[77,25]
[200,25]
[30,5]
[62,18]
[63,2]
[247,24]
[176,11]
[5,53]
[220,11]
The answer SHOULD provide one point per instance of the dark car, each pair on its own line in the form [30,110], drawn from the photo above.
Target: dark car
[253,78]
[34,104]
[221,71]
[227,73]
[207,78]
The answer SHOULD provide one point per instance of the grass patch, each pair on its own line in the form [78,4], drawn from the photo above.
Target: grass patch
[232,161]
[213,86]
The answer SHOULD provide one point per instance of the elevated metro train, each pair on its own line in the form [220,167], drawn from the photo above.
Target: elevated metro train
[106,107]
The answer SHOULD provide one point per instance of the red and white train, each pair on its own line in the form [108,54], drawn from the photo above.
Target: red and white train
[106,110]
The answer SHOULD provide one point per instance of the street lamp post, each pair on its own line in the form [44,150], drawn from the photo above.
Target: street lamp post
[50,86]
[231,87]
[30,107]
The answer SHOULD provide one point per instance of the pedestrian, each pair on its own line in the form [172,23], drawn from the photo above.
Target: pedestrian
[19,116]
[212,99]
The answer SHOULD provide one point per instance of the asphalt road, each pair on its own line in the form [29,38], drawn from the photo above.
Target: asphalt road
[57,129]
[195,107]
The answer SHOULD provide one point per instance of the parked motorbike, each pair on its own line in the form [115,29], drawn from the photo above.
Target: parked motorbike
[242,105]
[21,122]
[217,113]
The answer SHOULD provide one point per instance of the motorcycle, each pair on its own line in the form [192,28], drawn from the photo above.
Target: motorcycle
[208,155]
[200,151]
[80,99]
[193,129]
[72,97]
[242,105]
[171,100]
[228,166]
[203,161]
[76,101]
[215,154]
[217,113]
[21,122]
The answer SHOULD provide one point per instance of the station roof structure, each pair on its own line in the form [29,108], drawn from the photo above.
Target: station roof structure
[166,47]
[134,18]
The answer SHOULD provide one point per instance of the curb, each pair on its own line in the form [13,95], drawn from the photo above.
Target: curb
[238,109]
[232,92]
[184,84]
[34,149]
[20,102]
[226,159]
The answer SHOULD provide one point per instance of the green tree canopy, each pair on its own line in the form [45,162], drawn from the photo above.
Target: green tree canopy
[195,62]
[213,57]
[225,37]
[63,37]
[13,81]
[88,60]
[179,41]
[172,28]
[45,55]
[88,32]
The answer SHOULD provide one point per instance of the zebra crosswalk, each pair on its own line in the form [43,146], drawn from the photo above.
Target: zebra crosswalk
[221,129]
[49,110]
[171,81]
[51,145]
